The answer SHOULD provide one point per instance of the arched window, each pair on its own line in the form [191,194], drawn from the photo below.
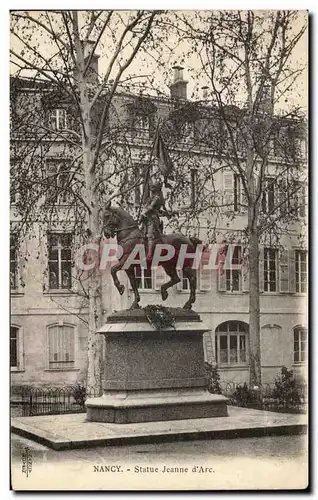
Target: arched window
[231,342]
[61,346]
[300,344]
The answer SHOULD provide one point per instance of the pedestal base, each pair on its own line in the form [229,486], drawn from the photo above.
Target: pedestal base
[153,375]
[152,406]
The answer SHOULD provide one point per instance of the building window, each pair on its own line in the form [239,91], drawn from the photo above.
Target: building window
[142,125]
[58,119]
[230,343]
[61,342]
[194,186]
[189,131]
[268,196]
[145,277]
[14,348]
[301,270]
[299,200]
[58,179]
[184,284]
[13,263]
[300,344]
[270,270]
[233,276]
[141,175]
[60,262]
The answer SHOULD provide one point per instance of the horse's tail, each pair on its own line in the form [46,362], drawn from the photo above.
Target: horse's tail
[195,241]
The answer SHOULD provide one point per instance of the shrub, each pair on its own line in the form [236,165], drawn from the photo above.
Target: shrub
[243,395]
[79,393]
[213,379]
[286,390]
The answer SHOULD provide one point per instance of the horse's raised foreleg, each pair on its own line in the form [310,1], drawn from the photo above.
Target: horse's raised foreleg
[191,274]
[134,285]
[114,270]
[172,273]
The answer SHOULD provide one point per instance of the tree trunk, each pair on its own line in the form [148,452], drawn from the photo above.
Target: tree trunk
[95,282]
[254,309]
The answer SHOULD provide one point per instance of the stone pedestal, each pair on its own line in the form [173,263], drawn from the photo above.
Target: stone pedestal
[152,375]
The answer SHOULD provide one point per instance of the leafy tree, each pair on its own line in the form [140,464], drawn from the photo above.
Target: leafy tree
[248,60]
[54,66]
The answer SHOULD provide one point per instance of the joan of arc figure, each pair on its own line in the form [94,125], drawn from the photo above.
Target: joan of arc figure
[152,226]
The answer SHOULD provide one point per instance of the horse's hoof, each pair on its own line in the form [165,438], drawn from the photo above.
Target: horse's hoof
[164,294]
[187,306]
[121,289]
[134,305]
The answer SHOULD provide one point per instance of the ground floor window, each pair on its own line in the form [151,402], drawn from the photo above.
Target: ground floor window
[300,344]
[301,270]
[61,340]
[14,347]
[233,275]
[145,277]
[231,342]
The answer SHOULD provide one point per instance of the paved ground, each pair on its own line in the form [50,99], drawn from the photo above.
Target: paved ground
[261,463]
[73,431]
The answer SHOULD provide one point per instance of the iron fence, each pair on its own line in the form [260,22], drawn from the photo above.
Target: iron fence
[265,397]
[33,401]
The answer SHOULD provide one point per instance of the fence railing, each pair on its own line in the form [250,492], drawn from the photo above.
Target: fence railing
[265,397]
[32,401]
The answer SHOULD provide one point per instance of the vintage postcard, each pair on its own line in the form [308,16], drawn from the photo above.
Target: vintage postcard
[158,250]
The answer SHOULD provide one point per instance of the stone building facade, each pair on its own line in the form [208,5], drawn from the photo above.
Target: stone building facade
[48,334]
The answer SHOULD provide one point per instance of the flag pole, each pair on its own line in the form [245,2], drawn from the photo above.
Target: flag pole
[148,169]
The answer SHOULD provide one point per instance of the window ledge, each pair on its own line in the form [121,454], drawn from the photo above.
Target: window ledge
[59,292]
[282,293]
[233,367]
[16,293]
[61,369]
[14,369]
[301,363]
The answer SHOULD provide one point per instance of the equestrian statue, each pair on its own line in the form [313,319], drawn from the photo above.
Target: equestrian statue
[117,222]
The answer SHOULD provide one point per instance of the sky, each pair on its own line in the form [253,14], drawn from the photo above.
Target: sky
[168,52]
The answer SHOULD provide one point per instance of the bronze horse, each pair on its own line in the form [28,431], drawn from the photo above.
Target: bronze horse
[116,221]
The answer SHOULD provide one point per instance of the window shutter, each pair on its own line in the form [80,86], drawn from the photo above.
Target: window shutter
[160,277]
[283,197]
[222,281]
[284,271]
[228,190]
[204,275]
[244,199]
[245,273]
[292,271]
[205,279]
[261,269]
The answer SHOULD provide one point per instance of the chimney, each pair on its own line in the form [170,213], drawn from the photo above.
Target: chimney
[205,92]
[92,72]
[178,89]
